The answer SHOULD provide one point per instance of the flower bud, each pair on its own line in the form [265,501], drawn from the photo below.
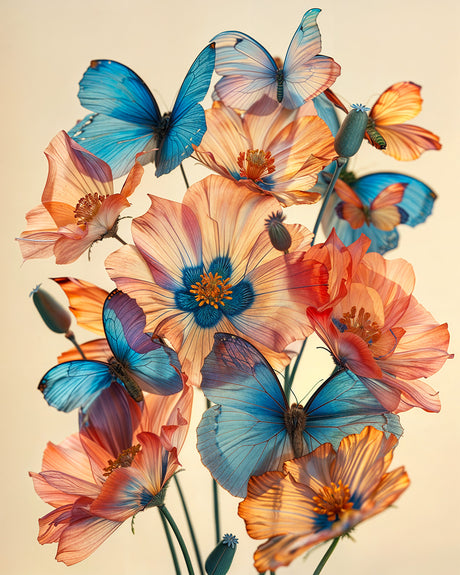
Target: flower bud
[277,231]
[351,133]
[56,317]
[221,557]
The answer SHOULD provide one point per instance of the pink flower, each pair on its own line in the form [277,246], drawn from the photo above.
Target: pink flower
[78,204]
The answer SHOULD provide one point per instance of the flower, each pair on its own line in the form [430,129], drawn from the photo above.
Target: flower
[117,465]
[207,265]
[320,496]
[78,204]
[377,329]
[277,152]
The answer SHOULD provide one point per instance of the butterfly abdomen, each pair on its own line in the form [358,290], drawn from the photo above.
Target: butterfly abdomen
[279,84]
[373,136]
[120,372]
[295,419]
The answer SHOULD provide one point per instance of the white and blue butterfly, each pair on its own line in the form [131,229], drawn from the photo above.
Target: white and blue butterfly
[250,72]
[127,121]
[252,429]
[138,363]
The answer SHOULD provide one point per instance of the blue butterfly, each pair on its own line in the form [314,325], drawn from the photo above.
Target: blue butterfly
[252,429]
[138,362]
[127,120]
[250,72]
[370,205]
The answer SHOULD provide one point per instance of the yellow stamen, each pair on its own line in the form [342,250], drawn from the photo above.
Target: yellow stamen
[334,501]
[87,207]
[255,164]
[361,325]
[212,290]
[125,459]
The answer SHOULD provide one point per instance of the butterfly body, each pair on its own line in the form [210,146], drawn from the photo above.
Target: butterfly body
[120,372]
[295,420]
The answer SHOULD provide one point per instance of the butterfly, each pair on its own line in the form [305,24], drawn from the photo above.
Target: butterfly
[126,120]
[252,429]
[387,129]
[137,362]
[250,72]
[374,205]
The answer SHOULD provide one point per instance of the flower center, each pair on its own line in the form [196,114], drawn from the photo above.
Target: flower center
[361,325]
[333,501]
[255,164]
[87,207]
[212,290]
[125,459]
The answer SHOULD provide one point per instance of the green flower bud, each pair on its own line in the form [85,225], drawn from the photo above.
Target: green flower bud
[56,317]
[351,133]
[221,557]
[277,231]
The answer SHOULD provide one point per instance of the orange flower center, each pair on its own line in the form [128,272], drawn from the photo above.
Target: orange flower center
[333,501]
[212,289]
[361,325]
[87,207]
[255,164]
[125,459]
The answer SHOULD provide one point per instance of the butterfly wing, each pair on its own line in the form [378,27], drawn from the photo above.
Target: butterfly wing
[248,71]
[244,434]
[385,214]
[187,123]
[74,384]
[152,366]
[343,405]
[306,73]
[125,114]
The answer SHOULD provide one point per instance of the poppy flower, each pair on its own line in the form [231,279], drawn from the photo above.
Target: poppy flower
[378,329]
[78,204]
[273,151]
[320,496]
[207,265]
[117,465]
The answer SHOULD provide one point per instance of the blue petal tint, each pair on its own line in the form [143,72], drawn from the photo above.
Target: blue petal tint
[242,299]
[185,301]
[222,266]
[191,275]
[207,316]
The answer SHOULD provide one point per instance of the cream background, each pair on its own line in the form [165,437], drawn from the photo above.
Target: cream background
[45,48]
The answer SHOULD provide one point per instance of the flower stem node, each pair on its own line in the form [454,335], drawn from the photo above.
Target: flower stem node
[56,317]
[351,133]
[221,557]
[277,231]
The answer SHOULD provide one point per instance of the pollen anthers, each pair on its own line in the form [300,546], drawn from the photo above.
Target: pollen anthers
[125,459]
[212,290]
[255,164]
[361,325]
[333,501]
[87,207]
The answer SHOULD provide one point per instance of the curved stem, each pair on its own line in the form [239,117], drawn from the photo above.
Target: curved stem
[215,495]
[117,237]
[170,543]
[190,526]
[339,163]
[326,556]
[179,538]
[288,384]
[184,176]
[71,336]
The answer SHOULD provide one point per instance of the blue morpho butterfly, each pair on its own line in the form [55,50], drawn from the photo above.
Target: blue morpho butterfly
[252,429]
[138,362]
[250,72]
[368,208]
[127,120]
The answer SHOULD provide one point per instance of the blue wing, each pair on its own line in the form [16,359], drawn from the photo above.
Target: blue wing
[342,406]
[153,367]
[245,433]
[417,203]
[187,123]
[75,384]
[126,116]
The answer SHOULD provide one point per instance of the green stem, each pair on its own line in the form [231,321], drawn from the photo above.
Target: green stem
[179,538]
[339,163]
[288,385]
[117,237]
[190,526]
[215,495]
[184,176]
[71,336]
[326,556]
[170,543]
[286,382]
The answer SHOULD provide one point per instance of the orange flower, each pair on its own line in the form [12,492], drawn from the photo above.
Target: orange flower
[78,204]
[378,329]
[320,496]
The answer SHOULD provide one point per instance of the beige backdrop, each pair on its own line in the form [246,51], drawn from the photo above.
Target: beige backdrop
[46,46]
